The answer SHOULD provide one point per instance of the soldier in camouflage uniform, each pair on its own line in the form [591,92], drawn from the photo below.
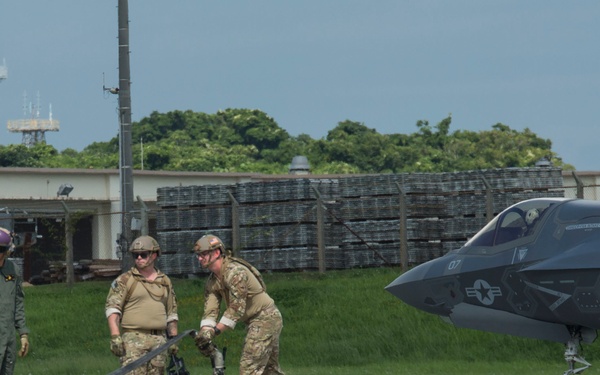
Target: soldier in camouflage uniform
[12,310]
[141,309]
[241,286]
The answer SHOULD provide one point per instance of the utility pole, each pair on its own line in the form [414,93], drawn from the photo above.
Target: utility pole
[125,156]
[69,242]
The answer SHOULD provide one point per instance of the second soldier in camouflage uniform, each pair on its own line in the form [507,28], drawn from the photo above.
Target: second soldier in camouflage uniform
[240,285]
[141,303]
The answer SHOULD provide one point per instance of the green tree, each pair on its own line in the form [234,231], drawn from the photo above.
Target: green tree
[248,140]
[355,144]
[254,127]
[20,155]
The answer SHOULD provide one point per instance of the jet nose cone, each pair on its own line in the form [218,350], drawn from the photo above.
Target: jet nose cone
[409,286]
[436,294]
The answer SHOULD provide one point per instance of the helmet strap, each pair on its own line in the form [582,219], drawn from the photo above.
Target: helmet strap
[217,258]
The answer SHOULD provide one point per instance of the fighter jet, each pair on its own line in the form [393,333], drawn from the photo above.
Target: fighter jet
[532,271]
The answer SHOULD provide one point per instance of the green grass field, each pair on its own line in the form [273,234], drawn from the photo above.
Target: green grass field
[342,322]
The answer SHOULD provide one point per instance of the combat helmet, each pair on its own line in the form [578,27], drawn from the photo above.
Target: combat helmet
[209,242]
[5,240]
[144,243]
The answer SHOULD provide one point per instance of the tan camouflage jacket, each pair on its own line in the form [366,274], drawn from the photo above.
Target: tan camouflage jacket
[243,293]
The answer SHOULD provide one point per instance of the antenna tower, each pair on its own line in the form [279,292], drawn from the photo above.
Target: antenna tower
[33,128]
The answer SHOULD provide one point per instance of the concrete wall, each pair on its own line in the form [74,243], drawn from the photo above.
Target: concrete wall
[102,185]
[33,192]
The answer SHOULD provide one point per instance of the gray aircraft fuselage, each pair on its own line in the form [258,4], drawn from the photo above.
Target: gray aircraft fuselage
[533,271]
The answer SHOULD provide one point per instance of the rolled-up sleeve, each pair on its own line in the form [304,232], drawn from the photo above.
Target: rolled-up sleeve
[237,284]
[115,298]
[212,303]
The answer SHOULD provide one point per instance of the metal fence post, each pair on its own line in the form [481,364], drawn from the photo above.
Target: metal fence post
[579,185]
[320,231]
[403,225]
[489,200]
[143,216]
[235,224]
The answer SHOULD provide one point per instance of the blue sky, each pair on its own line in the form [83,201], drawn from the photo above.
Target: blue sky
[310,64]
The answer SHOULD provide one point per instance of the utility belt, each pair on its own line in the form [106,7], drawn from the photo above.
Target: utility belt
[268,310]
[155,332]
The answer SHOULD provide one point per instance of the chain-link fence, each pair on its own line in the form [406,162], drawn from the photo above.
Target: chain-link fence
[360,221]
[42,229]
[283,225]
[583,185]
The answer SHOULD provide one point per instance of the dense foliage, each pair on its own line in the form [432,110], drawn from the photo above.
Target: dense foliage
[245,140]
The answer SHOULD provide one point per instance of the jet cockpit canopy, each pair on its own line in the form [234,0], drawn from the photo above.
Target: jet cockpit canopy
[517,221]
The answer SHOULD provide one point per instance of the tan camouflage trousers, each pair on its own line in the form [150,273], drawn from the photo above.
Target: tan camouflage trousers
[136,345]
[260,355]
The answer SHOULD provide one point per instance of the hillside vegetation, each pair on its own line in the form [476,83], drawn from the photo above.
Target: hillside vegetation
[245,140]
[339,323]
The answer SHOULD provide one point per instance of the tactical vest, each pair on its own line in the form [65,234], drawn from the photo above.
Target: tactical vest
[251,268]
[133,280]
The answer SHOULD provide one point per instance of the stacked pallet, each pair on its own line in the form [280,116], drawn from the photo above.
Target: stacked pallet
[278,219]
[277,222]
[279,230]
[443,209]
[97,269]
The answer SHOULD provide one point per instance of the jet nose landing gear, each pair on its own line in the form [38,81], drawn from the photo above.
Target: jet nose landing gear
[573,358]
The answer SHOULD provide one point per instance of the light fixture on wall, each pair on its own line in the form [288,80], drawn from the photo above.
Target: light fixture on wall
[64,190]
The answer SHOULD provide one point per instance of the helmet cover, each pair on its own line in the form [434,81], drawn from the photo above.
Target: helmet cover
[144,243]
[209,242]
[5,239]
